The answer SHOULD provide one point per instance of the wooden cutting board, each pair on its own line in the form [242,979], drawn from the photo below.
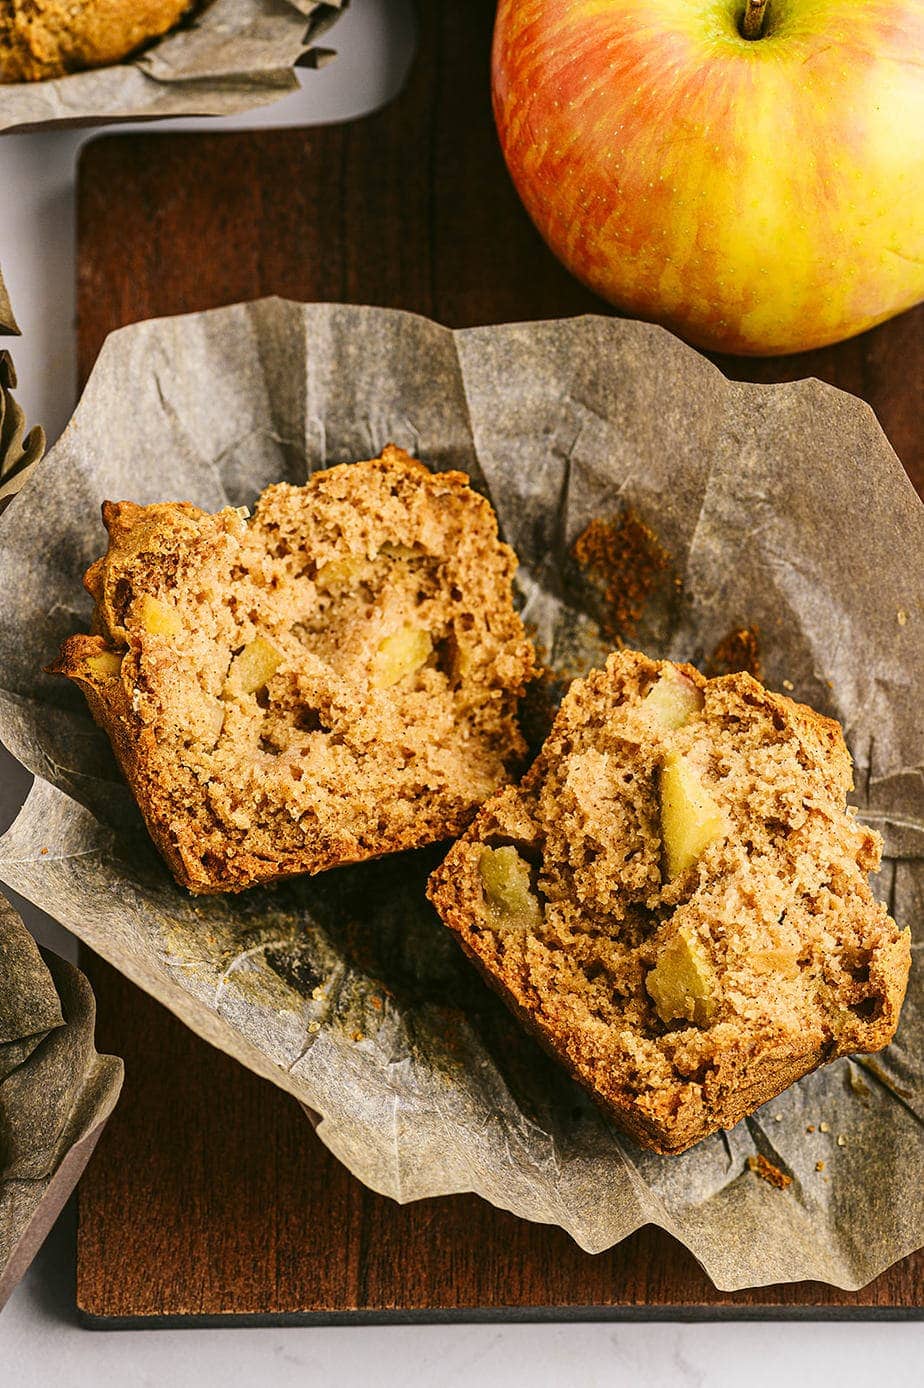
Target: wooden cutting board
[210,1199]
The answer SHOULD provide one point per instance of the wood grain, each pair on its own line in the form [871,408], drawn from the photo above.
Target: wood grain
[210,1197]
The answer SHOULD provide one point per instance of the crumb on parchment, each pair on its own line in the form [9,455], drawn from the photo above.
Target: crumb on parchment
[738,651]
[625,562]
[768,1172]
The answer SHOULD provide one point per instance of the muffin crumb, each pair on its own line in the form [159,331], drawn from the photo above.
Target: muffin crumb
[624,562]
[676,900]
[768,1172]
[334,679]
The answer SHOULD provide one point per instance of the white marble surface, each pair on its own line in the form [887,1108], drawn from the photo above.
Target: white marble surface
[41,1343]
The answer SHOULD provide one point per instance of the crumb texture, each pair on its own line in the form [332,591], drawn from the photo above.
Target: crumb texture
[675,898]
[334,679]
[40,39]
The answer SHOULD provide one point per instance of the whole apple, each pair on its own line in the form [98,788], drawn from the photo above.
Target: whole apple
[756,194]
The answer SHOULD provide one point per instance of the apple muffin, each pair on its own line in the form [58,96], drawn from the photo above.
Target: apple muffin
[675,898]
[334,679]
[50,38]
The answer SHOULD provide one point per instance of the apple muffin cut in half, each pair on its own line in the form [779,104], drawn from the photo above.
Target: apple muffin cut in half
[332,680]
[675,898]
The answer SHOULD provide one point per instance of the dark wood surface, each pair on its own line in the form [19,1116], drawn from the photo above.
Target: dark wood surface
[210,1196]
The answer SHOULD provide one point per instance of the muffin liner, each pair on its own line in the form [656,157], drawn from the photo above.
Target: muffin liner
[781,506]
[8,324]
[228,56]
[56,1092]
[19,450]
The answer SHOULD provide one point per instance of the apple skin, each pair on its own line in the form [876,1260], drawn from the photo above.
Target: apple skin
[757,196]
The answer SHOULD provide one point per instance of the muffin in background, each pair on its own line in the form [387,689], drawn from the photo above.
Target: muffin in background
[41,39]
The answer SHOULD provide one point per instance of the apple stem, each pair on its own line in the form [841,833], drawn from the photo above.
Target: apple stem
[752,21]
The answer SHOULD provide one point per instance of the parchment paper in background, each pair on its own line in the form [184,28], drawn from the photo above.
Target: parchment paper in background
[55,1091]
[782,505]
[19,451]
[231,55]
[8,324]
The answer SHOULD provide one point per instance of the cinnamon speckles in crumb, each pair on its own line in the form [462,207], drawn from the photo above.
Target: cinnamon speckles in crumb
[694,928]
[333,680]
[768,1172]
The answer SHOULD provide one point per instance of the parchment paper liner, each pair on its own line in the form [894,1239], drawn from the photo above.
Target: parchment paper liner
[19,450]
[8,324]
[230,56]
[782,505]
[55,1091]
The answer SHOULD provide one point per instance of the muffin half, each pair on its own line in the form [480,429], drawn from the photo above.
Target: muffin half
[675,898]
[332,680]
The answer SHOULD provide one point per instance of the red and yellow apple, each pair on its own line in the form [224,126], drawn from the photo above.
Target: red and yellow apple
[757,195]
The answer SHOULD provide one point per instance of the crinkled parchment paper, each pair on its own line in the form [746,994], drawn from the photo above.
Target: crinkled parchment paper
[781,506]
[8,324]
[19,450]
[55,1091]
[230,55]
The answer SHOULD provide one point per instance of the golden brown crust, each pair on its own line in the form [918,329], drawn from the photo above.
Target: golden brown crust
[332,756]
[802,964]
[41,39]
